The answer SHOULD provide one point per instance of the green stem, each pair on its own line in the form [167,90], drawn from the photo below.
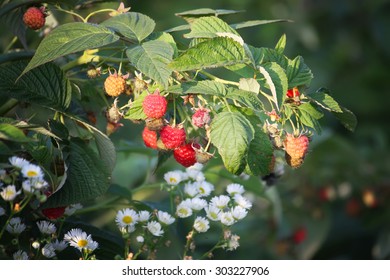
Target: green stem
[215,78]
[227,104]
[147,187]
[190,237]
[9,218]
[97,12]
[58,8]
[207,254]
[8,106]
[10,44]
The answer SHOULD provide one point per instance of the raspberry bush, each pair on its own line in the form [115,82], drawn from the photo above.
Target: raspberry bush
[181,96]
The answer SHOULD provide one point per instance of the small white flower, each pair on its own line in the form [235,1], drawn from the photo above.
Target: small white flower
[155,228]
[48,251]
[183,210]
[196,167]
[227,218]
[232,243]
[239,213]
[213,213]
[15,226]
[140,239]
[32,171]
[197,203]
[9,193]
[39,184]
[195,175]
[242,201]
[191,189]
[71,209]
[59,245]
[204,188]
[201,224]
[127,229]
[18,162]
[46,227]
[20,255]
[80,240]
[126,217]
[220,201]
[234,189]
[173,178]
[143,216]
[2,211]
[36,245]
[26,186]
[165,218]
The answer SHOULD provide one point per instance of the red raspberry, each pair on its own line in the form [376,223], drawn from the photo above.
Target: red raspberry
[34,17]
[172,137]
[150,138]
[201,117]
[296,149]
[294,92]
[299,235]
[185,155]
[53,213]
[115,84]
[155,105]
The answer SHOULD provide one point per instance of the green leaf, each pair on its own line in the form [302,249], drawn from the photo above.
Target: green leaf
[178,28]
[281,45]
[251,23]
[87,176]
[209,27]
[134,26]
[161,159]
[202,87]
[10,132]
[70,38]
[276,80]
[347,119]
[231,133]
[249,85]
[309,116]
[4,150]
[323,99]
[165,37]
[152,58]
[46,85]
[247,98]
[215,52]
[40,150]
[298,73]
[120,191]
[189,15]
[136,111]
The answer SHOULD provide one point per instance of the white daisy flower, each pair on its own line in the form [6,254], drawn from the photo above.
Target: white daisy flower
[143,216]
[220,201]
[15,226]
[140,239]
[227,218]
[213,213]
[155,228]
[197,203]
[46,227]
[196,167]
[9,193]
[39,184]
[242,201]
[127,229]
[344,189]
[195,174]
[18,162]
[71,209]
[126,217]
[20,255]
[201,224]
[59,245]
[204,188]
[80,240]
[48,251]
[183,210]
[165,218]
[239,213]
[173,178]
[32,171]
[191,189]
[234,189]
[232,243]
[26,186]
[2,211]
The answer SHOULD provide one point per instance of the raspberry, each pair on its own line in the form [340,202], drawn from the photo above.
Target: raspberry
[201,117]
[115,85]
[296,149]
[155,105]
[172,137]
[53,213]
[185,155]
[34,17]
[150,138]
[294,92]
[299,235]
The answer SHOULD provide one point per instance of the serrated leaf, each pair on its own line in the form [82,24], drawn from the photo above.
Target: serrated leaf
[165,37]
[209,27]
[322,98]
[46,85]
[298,73]
[249,85]
[188,15]
[10,132]
[215,52]
[231,133]
[202,87]
[134,26]
[40,150]
[272,55]
[178,28]
[70,38]
[276,80]
[281,44]
[136,111]
[152,59]
[247,98]
[251,23]
[87,176]
[4,150]
[309,116]
[347,119]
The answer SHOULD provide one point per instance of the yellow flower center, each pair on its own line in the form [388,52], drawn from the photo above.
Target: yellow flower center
[201,190]
[183,211]
[9,193]
[82,243]
[214,215]
[127,219]
[172,180]
[32,173]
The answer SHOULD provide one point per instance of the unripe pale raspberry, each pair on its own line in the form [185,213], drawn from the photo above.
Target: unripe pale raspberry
[155,105]
[34,18]
[115,85]
[201,117]
[185,155]
[172,137]
[296,149]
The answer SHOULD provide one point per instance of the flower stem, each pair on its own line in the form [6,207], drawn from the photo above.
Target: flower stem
[189,237]
[207,254]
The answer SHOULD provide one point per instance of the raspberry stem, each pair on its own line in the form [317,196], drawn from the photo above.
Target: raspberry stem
[97,12]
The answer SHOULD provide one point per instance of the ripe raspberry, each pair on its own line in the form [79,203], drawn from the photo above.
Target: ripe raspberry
[201,117]
[294,92]
[155,105]
[172,137]
[53,213]
[34,17]
[296,149]
[115,85]
[185,155]
[150,138]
